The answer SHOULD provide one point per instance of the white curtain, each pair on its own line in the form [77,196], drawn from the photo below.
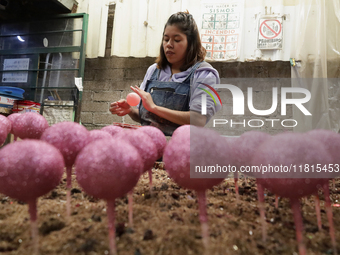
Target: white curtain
[316,45]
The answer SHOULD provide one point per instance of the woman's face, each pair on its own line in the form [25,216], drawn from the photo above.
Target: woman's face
[175,46]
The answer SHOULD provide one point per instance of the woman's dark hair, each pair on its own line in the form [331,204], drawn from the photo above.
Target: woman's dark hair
[195,51]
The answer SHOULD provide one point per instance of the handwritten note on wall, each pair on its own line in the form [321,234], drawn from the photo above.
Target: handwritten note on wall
[15,64]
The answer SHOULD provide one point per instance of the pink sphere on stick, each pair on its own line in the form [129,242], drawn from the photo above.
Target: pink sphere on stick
[286,151]
[148,153]
[191,147]
[244,148]
[69,138]
[157,137]
[108,169]
[331,141]
[28,170]
[133,99]
[144,145]
[29,125]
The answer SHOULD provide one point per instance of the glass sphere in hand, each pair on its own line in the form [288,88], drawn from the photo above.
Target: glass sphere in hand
[133,99]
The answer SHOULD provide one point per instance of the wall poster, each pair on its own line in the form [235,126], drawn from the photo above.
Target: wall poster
[270,33]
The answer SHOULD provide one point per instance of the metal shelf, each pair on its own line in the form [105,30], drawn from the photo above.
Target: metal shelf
[54,48]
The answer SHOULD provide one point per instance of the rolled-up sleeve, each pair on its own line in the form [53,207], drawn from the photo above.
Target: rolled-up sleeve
[208,77]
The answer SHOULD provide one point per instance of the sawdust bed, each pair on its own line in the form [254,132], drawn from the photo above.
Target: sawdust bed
[165,223]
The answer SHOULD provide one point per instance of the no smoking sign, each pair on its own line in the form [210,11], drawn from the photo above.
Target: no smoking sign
[270,34]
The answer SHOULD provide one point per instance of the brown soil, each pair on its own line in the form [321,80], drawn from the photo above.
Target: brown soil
[165,223]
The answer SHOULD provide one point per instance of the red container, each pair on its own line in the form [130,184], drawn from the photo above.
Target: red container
[22,106]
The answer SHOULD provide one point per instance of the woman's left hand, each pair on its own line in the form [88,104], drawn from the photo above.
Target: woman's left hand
[146,98]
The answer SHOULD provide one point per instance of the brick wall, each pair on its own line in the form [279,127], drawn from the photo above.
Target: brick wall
[107,80]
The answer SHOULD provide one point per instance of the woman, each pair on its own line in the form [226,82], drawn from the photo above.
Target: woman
[169,92]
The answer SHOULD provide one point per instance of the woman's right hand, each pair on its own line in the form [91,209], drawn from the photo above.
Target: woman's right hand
[120,107]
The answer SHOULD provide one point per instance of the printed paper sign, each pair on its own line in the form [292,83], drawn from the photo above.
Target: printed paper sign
[270,34]
[221,26]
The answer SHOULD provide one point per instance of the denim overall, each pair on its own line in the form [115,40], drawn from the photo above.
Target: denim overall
[168,94]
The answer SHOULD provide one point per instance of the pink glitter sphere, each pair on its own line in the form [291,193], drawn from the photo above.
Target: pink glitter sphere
[193,147]
[112,129]
[29,125]
[331,141]
[157,137]
[245,146]
[96,134]
[289,150]
[6,123]
[294,159]
[109,168]
[144,145]
[182,129]
[12,118]
[5,128]
[29,169]
[3,133]
[68,137]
